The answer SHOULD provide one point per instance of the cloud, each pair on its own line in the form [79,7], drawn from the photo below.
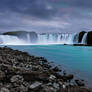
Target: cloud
[43,15]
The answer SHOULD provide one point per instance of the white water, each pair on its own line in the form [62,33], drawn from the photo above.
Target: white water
[75,38]
[28,38]
[42,39]
[84,39]
[10,40]
[67,39]
[55,39]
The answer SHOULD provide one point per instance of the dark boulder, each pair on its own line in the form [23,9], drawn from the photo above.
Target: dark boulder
[80,82]
[89,38]
[70,77]
[81,34]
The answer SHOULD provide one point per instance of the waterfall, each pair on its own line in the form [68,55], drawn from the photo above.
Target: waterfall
[67,38]
[10,40]
[46,38]
[84,39]
[55,38]
[75,38]
[59,38]
[28,38]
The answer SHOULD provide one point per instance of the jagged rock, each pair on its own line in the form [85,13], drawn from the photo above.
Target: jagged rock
[35,85]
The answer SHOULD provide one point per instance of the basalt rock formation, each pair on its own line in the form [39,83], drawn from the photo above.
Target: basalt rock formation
[89,38]
[81,34]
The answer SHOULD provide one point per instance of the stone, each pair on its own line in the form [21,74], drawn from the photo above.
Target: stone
[35,85]
[56,69]
[4,90]
[17,79]
[52,77]
[79,82]
[70,77]
[56,85]
[64,86]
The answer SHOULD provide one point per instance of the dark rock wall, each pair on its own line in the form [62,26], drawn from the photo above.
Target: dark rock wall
[81,34]
[89,38]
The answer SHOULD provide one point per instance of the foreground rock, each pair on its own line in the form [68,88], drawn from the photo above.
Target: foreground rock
[21,72]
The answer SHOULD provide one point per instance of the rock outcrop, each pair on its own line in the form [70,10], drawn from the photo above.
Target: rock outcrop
[89,38]
[81,34]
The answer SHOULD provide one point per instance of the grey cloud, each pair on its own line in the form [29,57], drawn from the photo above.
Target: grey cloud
[77,13]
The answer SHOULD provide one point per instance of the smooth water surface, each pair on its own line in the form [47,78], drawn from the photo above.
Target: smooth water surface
[75,59]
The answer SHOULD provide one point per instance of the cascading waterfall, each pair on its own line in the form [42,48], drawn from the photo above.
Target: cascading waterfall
[55,39]
[46,38]
[84,39]
[10,40]
[75,38]
[28,38]
[67,38]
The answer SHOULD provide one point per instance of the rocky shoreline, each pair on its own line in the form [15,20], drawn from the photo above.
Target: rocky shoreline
[21,72]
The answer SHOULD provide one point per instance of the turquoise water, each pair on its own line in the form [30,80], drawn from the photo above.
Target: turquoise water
[75,59]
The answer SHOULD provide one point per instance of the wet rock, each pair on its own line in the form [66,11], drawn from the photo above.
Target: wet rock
[56,69]
[70,77]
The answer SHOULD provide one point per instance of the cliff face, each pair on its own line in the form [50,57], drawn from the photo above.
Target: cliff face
[81,34]
[89,38]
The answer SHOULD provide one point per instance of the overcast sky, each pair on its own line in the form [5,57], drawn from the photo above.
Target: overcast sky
[46,15]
